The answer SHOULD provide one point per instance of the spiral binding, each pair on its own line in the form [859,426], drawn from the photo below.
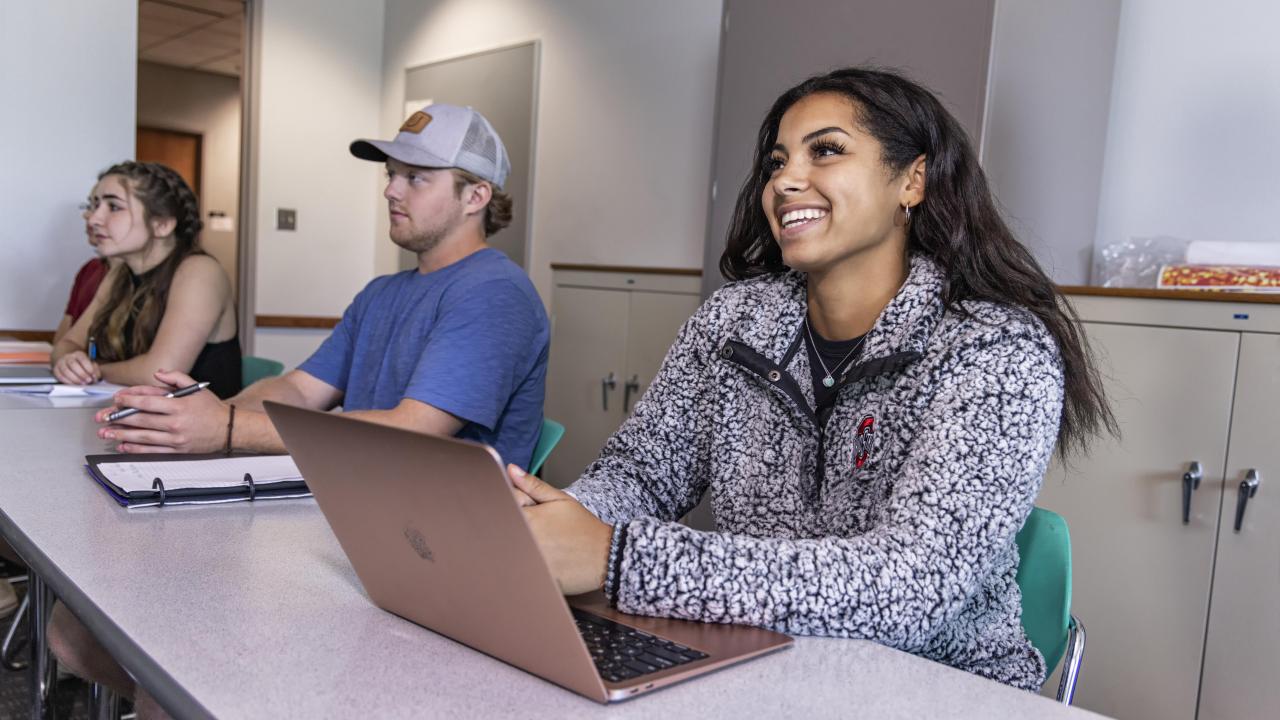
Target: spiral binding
[253,489]
[158,484]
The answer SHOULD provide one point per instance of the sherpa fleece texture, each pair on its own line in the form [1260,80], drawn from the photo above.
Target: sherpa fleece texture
[899,529]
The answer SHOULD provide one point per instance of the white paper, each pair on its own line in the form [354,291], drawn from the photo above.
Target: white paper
[23,346]
[60,390]
[201,474]
[1203,252]
[221,223]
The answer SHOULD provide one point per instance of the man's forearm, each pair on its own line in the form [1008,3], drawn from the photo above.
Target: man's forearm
[413,415]
[252,431]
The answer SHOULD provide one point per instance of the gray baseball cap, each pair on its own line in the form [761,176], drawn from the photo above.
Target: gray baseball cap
[444,136]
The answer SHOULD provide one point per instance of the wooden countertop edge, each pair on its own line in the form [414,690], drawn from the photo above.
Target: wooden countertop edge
[28,335]
[633,269]
[328,323]
[1153,294]
[295,321]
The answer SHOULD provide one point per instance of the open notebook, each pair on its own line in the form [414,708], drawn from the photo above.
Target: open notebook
[156,480]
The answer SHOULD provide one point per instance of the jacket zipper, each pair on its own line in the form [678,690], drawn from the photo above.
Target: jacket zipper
[776,376]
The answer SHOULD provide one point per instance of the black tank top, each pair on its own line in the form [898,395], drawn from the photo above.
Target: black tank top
[218,363]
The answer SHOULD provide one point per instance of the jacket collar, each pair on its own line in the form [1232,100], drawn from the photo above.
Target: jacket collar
[904,326]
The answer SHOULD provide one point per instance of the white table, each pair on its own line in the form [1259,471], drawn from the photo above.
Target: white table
[22,401]
[252,610]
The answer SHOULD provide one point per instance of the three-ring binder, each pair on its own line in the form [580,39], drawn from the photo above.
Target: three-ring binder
[165,480]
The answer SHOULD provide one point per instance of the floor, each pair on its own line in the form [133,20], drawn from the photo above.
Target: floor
[71,695]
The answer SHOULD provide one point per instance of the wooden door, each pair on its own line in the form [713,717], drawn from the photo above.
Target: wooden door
[178,150]
[1140,576]
[1240,678]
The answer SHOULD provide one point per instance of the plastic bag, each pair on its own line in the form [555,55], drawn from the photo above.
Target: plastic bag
[1136,262]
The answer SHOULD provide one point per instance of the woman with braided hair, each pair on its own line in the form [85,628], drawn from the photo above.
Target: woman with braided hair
[166,305]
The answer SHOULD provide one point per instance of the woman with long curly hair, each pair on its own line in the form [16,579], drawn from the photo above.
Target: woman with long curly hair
[166,305]
[870,405]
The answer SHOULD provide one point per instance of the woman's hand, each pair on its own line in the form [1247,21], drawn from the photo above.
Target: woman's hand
[193,424]
[75,368]
[574,542]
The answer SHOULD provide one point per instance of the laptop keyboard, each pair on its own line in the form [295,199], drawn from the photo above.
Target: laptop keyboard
[622,653]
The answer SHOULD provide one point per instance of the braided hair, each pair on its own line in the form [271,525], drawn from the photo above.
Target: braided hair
[136,304]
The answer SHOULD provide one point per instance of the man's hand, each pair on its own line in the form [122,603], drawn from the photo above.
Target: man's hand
[193,424]
[75,368]
[574,542]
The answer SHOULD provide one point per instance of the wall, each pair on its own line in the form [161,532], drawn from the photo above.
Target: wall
[945,46]
[64,121]
[1192,145]
[624,119]
[317,87]
[1046,124]
[209,105]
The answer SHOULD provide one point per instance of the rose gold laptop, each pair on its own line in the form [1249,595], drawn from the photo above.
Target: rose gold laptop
[433,532]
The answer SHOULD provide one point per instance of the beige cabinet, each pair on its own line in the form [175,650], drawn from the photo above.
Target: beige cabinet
[611,328]
[1181,609]
[1241,671]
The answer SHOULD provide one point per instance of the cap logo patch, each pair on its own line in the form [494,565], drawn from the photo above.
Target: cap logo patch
[416,123]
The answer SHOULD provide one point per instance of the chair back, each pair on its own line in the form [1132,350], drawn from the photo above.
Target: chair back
[1044,577]
[253,369]
[551,433]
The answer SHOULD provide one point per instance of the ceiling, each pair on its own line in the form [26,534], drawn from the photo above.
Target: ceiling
[194,34]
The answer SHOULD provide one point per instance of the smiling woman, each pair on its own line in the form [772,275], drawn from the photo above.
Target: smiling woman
[871,407]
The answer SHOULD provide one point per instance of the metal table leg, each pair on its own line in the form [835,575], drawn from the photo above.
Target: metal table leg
[103,704]
[43,669]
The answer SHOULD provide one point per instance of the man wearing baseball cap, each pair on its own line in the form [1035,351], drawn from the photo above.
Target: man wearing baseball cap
[456,347]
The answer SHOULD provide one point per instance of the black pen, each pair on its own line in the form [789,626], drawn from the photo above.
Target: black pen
[188,390]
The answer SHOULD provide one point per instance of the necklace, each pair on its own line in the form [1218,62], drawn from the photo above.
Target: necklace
[828,380]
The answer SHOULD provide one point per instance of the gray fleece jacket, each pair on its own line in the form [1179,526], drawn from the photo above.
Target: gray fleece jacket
[893,520]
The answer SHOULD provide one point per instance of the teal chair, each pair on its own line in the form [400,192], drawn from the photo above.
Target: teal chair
[1044,577]
[551,433]
[253,369]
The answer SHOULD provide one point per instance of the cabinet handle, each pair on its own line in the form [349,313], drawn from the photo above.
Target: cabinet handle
[607,383]
[1190,481]
[1248,488]
[632,386]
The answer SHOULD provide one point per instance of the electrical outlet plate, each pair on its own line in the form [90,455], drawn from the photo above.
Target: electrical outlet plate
[286,219]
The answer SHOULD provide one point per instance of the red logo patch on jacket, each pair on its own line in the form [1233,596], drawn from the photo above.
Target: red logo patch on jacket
[862,441]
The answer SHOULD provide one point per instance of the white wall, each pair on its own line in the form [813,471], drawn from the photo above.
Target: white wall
[208,105]
[67,79]
[624,123]
[1193,142]
[1046,124]
[318,87]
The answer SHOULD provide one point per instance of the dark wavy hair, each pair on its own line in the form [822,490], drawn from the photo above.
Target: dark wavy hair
[142,300]
[957,225]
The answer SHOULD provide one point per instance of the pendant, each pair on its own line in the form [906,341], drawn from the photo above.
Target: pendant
[828,381]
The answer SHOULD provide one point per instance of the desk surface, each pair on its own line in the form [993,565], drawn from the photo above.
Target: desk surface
[21,401]
[253,611]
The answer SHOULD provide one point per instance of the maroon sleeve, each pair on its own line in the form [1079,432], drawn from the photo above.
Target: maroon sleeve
[85,286]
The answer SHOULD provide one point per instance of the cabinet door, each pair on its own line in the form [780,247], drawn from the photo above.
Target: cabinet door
[653,322]
[588,343]
[1241,677]
[1140,576]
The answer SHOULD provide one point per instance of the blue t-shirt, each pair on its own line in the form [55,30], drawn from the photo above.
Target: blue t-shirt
[471,339]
